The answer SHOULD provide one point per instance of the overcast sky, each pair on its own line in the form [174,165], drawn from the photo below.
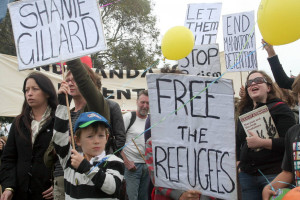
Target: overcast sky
[172,13]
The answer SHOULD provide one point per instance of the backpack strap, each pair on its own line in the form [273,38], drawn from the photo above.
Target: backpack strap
[132,119]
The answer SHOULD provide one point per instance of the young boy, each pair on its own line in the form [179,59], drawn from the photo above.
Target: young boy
[90,174]
[291,161]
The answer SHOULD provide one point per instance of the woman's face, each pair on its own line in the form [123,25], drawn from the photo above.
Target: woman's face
[35,96]
[258,89]
[74,90]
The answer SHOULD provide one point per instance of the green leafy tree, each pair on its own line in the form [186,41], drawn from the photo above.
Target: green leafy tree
[130,31]
[7,44]
[131,35]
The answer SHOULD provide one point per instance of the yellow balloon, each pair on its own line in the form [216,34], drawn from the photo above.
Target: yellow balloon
[279,21]
[177,43]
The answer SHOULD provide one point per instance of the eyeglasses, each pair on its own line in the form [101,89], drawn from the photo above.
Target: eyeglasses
[257,80]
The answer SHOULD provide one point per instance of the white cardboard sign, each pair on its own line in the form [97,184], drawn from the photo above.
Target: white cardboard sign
[204,60]
[239,28]
[46,32]
[203,20]
[193,147]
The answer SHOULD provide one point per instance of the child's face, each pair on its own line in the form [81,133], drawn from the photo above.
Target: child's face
[91,143]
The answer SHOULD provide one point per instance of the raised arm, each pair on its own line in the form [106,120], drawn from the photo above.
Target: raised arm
[61,131]
[279,74]
[94,98]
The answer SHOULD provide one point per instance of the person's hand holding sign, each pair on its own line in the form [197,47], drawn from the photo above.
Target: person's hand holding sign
[190,195]
[64,88]
[254,141]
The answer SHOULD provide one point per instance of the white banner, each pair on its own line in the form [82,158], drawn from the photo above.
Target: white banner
[47,32]
[239,41]
[121,86]
[204,60]
[203,20]
[115,83]
[194,145]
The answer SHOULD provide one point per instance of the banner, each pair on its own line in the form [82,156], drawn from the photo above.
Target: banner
[239,41]
[47,32]
[203,20]
[193,143]
[204,60]
[116,84]
[120,86]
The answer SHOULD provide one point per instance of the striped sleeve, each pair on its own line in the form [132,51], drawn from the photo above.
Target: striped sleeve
[109,176]
[61,135]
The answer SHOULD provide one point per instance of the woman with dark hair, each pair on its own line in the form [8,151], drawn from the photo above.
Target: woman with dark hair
[23,174]
[257,165]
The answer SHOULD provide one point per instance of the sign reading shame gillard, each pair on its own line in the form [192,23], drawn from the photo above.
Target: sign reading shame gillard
[194,147]
[49,31]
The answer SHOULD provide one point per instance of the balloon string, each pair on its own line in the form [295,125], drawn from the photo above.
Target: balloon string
[267,180]
[165,117]
[252,32]
[285,183]
[273,189]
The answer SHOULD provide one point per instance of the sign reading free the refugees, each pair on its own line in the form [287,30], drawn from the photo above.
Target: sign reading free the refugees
[193,144]
[47,32]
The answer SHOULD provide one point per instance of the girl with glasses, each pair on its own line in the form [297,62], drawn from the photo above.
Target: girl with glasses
[259,91]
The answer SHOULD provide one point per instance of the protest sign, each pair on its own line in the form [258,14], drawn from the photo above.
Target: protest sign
[47,32]
[239,41]
[193,144]
[204,60]
[203,20]
[259,121]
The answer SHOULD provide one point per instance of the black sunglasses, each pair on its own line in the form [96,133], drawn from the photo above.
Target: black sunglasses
[257,80]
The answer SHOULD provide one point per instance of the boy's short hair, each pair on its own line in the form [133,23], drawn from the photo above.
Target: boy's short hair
[95,126]
[296,85]
[87,118]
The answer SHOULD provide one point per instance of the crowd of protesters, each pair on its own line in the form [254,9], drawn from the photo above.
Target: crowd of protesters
[40,159]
